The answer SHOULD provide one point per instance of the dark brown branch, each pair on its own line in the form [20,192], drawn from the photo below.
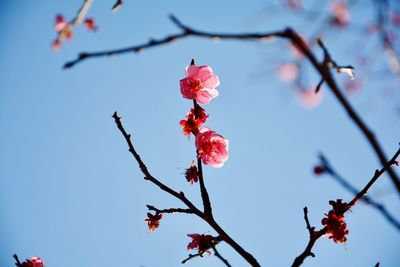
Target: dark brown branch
[219,256]
[315,235]
[117,6]
[209,219]
[378,173]
[147,175]
[368,200]
[17,262]
[170,211]
[186,32]
[204,194]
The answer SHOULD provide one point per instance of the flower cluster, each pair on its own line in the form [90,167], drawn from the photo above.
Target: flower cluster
[334,222]
[64,30]
[33,262]
[201,242]
[199,85]
[194,119]
[153,221]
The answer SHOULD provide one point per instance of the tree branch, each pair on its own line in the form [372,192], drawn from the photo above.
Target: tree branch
[315,235]
[325,164]
[209,219]
[204,194]
[170,211]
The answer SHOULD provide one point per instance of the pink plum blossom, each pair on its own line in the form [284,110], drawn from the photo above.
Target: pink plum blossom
[199,84]
[288,72]
[212,147]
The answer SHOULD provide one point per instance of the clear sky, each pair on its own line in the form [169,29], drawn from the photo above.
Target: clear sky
[71,193]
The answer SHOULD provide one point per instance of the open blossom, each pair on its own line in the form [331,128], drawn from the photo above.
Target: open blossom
[334,222]
[194,119]
[340,14]
[33,262]
[199,84]
[212,147]
[191,173]
[201,242]
[153,221]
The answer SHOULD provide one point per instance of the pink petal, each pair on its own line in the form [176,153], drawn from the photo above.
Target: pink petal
[186,89]
[204,97]
[204,73]
[211,82]
[192,71]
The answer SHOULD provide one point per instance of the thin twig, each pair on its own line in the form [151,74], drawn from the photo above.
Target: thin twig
[17,262]
[315,235]
[219,256]
[169,211]
[204,194]
[181,196]
[148,176]
[117,6]
[325,164]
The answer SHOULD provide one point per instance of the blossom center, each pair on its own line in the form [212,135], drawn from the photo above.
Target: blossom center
[196,84]
[207,148]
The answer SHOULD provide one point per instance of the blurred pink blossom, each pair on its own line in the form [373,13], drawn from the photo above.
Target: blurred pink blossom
[353,86]
[340,14]
[294,4]
[395,18]
[199,84]
[212,147]
[308,98]
[288,72]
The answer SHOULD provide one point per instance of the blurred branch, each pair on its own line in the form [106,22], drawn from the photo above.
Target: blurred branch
[315,235]
[80,17]
[368,200]
[382,8]
[117,6]
[181,196]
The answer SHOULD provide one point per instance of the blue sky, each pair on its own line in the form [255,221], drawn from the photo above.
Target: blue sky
[71,193]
